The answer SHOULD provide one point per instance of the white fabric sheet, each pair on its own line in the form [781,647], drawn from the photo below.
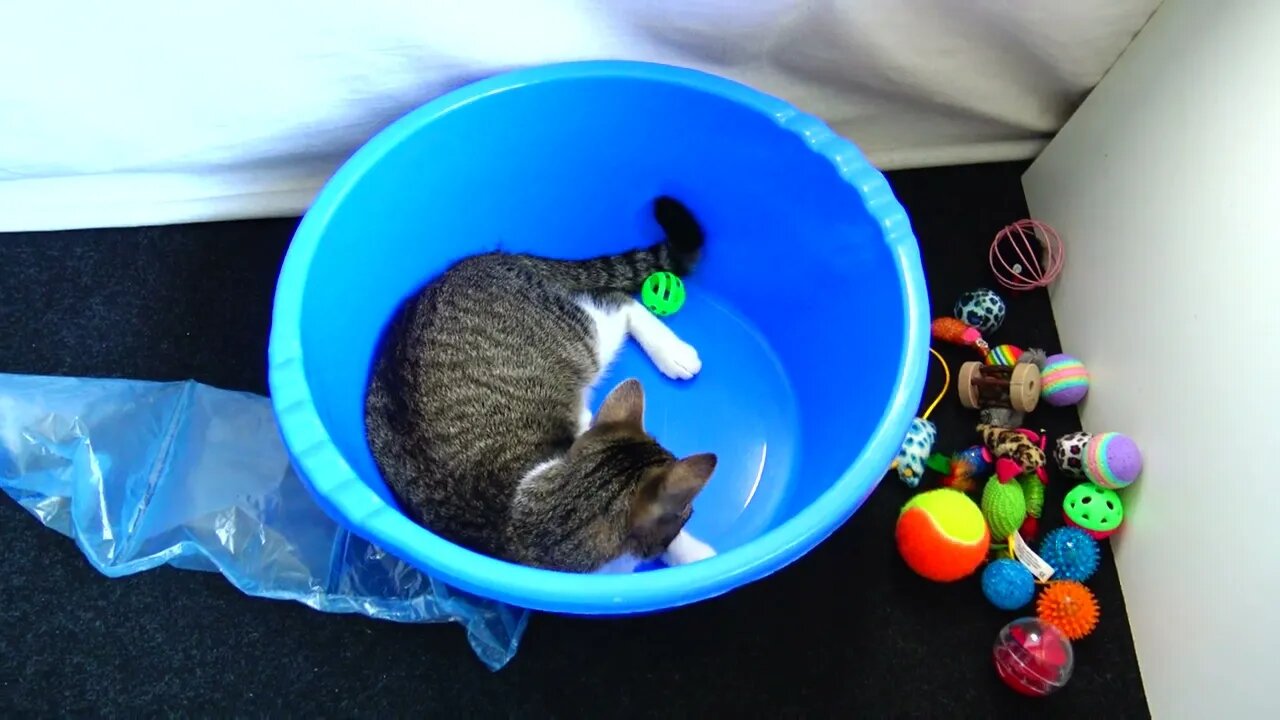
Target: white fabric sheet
[152,111]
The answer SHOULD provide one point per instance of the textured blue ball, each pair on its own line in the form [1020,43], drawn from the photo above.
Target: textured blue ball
[1007,584]
[1071,552]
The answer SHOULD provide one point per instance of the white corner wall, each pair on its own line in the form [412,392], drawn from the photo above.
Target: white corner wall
[1165,186]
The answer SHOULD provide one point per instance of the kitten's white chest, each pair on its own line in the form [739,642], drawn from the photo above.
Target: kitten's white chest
[674,357]
[611,331]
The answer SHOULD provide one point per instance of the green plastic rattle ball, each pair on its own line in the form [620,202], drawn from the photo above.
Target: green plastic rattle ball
[1098,511]
[663,293]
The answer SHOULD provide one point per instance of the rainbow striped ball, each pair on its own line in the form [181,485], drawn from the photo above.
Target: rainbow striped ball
[1003,355]
[1063,381]
[1112,460]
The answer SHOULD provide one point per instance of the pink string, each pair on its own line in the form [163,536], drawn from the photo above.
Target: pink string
[1039,252]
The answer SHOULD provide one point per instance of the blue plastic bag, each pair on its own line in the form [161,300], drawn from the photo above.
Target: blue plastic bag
[142,474]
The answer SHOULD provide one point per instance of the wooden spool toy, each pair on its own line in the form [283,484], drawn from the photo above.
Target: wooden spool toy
[1009,386]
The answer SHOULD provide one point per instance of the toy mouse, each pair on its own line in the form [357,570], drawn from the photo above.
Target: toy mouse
[1016,450]
[910,461]
[958,332]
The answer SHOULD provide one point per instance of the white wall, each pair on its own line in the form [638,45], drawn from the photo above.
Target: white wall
[154,111]
[1165,186]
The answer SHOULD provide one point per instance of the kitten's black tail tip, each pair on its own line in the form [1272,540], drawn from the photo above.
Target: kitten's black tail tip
[684,234]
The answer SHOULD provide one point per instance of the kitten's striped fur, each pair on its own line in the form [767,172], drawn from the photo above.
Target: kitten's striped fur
[475,411]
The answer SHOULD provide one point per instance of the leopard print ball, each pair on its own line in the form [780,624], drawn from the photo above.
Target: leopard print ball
[981,308]
[1068,453]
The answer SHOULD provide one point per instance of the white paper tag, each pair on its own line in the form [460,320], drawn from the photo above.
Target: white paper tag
[1029,559]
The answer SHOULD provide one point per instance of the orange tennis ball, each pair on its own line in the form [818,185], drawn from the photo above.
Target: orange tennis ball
[941,535]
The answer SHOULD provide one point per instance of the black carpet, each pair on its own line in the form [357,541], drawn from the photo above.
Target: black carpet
[846,631]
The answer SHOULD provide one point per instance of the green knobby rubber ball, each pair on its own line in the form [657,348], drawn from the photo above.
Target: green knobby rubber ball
[1004,507]
[1034,493]
[663,293]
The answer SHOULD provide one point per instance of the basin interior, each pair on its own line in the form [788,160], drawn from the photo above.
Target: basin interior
[797,309]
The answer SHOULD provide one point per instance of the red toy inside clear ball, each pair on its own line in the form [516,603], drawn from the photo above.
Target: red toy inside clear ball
[1033,658]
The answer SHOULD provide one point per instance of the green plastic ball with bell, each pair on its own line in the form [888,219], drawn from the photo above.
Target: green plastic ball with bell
[1096,510]
[663,293]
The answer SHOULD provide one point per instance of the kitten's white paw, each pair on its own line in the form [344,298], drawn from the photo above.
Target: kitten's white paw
[619,566]
[677,359]
[687,549]
[672,356]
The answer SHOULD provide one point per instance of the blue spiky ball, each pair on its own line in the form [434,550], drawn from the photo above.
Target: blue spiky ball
[1008,584]
[1072,553]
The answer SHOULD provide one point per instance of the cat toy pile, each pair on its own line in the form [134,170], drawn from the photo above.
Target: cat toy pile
[980,511]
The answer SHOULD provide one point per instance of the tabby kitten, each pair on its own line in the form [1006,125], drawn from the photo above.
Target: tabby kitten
[477,409]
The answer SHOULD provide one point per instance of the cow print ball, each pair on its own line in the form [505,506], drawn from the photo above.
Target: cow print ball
[1068,452]
[981,308]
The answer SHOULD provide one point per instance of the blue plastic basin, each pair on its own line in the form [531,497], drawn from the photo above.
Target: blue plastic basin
[809,310]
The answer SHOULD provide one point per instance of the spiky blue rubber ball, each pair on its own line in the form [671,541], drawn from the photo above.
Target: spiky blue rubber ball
[1007,584]
[1072,552]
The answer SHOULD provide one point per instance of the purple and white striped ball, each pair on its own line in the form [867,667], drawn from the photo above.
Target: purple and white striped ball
[1112,460]
[1063,381]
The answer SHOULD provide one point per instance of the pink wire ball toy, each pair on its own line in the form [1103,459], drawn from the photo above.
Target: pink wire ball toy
[1026,255]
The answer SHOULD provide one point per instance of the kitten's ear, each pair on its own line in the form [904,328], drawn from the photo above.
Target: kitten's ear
[685,479]
[624,406]
[674,490]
